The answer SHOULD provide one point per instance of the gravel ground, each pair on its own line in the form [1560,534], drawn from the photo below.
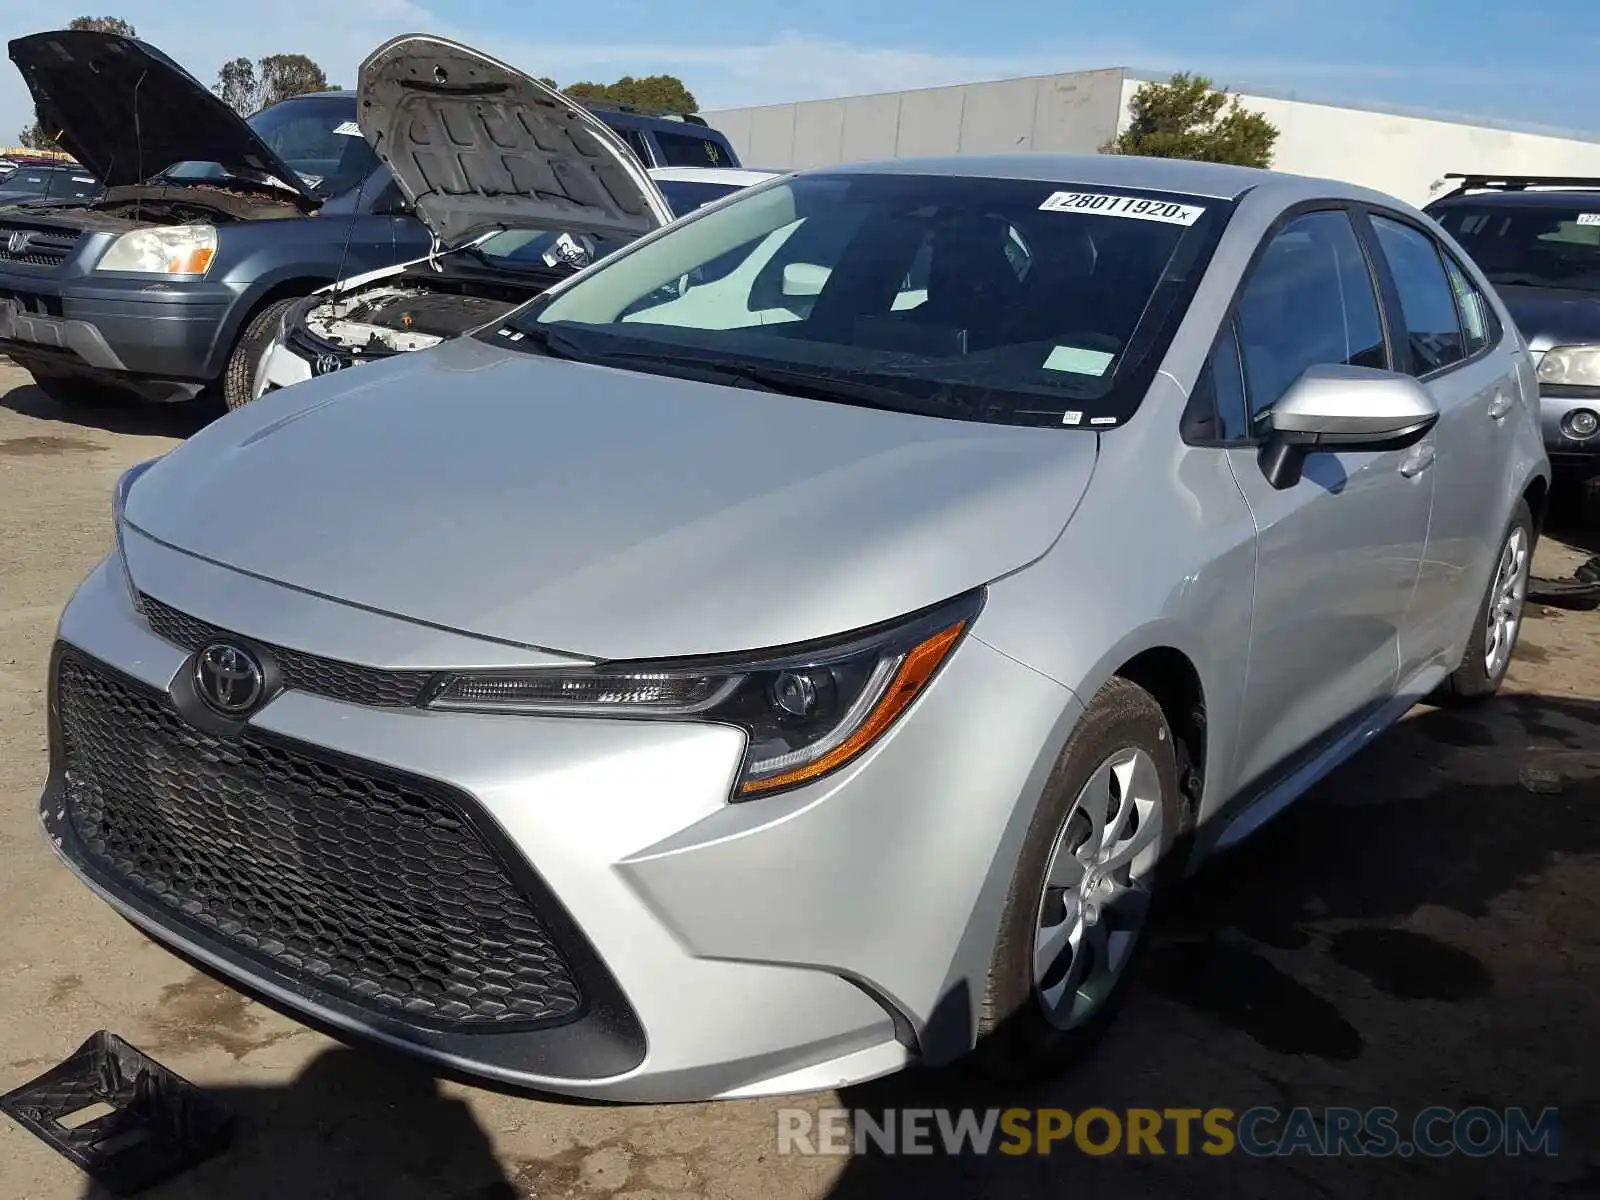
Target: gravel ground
[1419,932]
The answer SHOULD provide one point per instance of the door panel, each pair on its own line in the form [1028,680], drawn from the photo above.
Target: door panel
[1338,553]
[1448,329]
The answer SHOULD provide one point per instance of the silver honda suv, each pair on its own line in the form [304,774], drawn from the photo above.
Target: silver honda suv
[811,640]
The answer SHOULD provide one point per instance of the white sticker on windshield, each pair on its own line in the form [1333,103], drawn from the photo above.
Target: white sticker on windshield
[1137,208]
[1589,218]
[1071,418]
[348,129]
[1078,360]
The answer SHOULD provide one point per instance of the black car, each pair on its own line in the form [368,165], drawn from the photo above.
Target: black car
[1537,238]
[173,280]
[56,181]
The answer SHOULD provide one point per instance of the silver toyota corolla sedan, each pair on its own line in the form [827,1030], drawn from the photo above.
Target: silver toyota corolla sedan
[811,640]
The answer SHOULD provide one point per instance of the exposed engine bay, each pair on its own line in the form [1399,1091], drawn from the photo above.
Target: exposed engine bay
[138,206]
[390,318]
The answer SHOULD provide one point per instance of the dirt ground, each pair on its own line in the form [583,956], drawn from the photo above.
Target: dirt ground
[1422,931]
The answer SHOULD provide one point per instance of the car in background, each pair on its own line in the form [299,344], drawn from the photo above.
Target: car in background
[172,281]
[657,702]
[1537,238]
[663,139]
[57,181]
[459,287]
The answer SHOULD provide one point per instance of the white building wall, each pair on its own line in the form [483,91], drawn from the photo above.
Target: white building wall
[1078,112]
[1075,112]
[1403,155]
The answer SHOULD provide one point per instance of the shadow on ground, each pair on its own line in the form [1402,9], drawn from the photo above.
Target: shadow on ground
[140,418]
[354,1123]
[1383,944]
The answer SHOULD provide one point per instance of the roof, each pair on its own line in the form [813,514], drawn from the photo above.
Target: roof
[1218,181]
[1530,198]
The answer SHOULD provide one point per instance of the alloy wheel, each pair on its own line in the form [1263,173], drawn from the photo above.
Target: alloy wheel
[1097,888]
[1506,598]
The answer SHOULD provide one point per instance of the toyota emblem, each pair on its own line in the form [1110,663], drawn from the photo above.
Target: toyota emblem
[327,364]
[228,678]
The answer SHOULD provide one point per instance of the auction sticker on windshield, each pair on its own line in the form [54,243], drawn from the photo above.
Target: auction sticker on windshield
[1138,208]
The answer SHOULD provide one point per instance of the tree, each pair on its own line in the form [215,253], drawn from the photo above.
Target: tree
[653,91]
[248,87]
[34,136]
[1187,117]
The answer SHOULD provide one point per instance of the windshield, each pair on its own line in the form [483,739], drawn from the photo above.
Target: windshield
[986,299]
[684,196]
[1548,245]
[316,137]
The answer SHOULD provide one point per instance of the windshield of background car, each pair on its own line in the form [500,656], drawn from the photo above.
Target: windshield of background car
[690,150]
[998,300]
[1545,245]
[316,138]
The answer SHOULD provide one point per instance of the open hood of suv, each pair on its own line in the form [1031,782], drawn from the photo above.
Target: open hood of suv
[476,145]
[126,111]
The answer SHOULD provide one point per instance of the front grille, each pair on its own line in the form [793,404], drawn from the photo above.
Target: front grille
[35,246]
[300,672]
[373,888]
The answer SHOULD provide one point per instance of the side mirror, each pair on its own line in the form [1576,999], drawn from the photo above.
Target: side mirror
[804,279]
[1332,407]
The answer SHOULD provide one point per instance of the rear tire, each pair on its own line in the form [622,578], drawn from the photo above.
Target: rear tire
[1038,1019]
[1493,640]
[239,380]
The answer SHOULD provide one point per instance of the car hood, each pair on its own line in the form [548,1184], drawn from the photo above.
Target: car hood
[477,145]
[1552,316]
[89,85]
[606,513]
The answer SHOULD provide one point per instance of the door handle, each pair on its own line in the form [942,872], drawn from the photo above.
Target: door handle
[1499,406]
[1418,461]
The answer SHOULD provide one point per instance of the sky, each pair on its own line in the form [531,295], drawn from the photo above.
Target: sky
[1528,62]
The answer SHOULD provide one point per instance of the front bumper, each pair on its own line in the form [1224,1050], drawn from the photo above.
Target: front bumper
[1569,455]
[152,336]
[800,942]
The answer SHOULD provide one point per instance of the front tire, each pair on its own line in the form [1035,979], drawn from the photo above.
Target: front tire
[1499,622]
[1095,862]
[239,380]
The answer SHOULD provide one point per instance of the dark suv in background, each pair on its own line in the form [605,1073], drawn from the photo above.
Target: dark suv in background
[173,279]
[1537,238]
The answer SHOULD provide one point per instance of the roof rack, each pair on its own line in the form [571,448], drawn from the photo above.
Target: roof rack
[635,110]
[1520,183]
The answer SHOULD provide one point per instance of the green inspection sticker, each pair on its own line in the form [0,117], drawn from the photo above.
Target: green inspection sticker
[1078,360]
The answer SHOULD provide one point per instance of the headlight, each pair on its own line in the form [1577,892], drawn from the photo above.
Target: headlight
[174,250]
[119,504]
[1571,366]
[807,712]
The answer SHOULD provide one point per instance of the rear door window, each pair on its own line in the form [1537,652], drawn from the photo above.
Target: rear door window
[687,150]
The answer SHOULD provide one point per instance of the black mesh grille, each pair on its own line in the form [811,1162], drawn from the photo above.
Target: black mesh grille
[376,890]
[36,247]
[300,672]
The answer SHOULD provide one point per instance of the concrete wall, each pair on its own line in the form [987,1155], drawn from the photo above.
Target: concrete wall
[1404,154]
[1071,113]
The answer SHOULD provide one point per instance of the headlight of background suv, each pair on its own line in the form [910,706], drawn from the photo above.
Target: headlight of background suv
[119,504]
[807,711]
[174,250]
[1571,366]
